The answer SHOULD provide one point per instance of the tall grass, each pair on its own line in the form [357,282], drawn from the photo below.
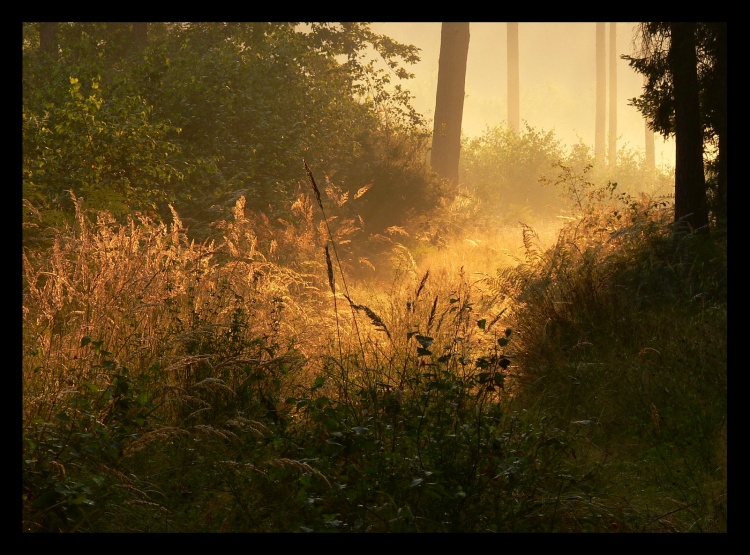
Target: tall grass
[134,337]
[247,384]
[623,323]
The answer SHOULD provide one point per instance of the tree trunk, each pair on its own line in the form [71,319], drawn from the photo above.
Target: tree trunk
[690,204]
[449,101]
[650,149]
[601,91]
[612,157]
[514,110]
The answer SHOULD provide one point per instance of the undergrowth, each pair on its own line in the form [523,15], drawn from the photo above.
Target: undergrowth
[252,384]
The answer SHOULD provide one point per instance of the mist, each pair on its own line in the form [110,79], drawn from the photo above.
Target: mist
[557,80]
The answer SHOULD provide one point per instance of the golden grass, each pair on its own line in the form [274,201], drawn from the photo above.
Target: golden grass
[266,309]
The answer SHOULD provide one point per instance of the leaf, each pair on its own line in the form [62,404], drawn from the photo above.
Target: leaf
[425,341]
[78,499]
[91,387]
[482,323]
[301,403]
[85,340]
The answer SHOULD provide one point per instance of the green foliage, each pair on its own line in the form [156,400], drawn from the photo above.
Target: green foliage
[101,438]
[509,177]
[657,103]
[582,391]
[501,169]
[624,326]
[70,457]
[209,112]
[109,149]
[438,453]
[657,100]
[652,60]
[208,386]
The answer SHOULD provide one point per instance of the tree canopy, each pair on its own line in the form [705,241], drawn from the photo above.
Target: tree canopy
[655,60]
[200,113]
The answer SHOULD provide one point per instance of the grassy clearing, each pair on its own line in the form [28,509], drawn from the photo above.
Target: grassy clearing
[253,384]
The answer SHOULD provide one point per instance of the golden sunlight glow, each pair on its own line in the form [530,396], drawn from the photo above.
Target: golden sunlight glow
[557,79]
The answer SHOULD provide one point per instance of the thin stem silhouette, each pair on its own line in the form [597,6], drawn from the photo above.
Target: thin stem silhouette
[331,282]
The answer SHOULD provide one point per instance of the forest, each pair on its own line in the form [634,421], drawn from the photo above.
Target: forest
[262,293]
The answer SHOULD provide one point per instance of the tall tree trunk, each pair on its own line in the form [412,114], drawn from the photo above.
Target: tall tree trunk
[690,204]
[449,101]
[612,157]
[601,91]
[48,37]
[514,107]
[650,149]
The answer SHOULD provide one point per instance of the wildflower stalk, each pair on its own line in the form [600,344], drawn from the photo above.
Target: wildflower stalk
[352,306]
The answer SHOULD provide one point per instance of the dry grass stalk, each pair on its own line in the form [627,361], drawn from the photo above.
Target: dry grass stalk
[314,186]
[215,383]
[421,284]
[300,466]
[253,425]
[496,319]
[211,431]
[374,318]
[338,262]
[431,319]
[329,266]
[362,190]
[149,437]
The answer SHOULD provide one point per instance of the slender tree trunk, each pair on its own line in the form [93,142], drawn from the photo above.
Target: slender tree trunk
[449,101]
[612,157]
[690,204]
[514,109]
[601,91]
[650,149]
